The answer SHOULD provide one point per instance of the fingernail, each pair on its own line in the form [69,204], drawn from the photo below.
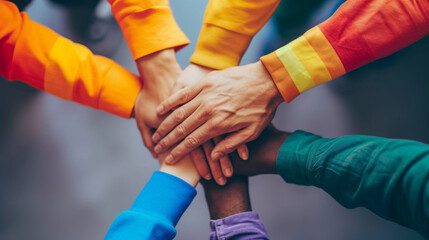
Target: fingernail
[169,159]
[208,177]
[158,149]
[228,172]
[156,137]
[160,109]
[245,155]
[221,181]
[218,155]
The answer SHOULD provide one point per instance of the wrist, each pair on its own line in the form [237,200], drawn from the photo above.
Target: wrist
[159,68]
[184,170]
[273,91]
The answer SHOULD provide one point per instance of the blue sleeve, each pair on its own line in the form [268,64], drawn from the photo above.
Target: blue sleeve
[156,210]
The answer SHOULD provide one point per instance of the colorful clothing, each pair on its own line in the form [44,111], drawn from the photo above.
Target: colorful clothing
[241,226]
[148,26]
[358,33]
[43,59]
[389,177]
[156,210]
[228,29]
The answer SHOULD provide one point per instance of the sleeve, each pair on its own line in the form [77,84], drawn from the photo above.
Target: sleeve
[359,32]
[156,210]
[241,226]
[43,59]
[389,177]
[228,28]
[148,26]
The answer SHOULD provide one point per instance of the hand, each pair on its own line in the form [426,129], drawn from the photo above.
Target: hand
[159,72]
[225,201]
[263,153]
[239,100]
[191,75]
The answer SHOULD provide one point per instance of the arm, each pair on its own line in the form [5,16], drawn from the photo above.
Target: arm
[228,28]
[43,59]
[148,26]
[160,204]
[359,32]
[231,211]
[389,177]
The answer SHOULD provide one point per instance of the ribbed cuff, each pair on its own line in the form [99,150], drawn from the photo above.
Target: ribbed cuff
[219,48]
[280,76]
[165,196]
[295,156]
[150,30]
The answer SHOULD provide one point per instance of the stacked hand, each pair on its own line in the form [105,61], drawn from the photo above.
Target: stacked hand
[222,103]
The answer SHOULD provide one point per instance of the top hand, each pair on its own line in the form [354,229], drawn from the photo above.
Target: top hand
[239,99]
[223,168]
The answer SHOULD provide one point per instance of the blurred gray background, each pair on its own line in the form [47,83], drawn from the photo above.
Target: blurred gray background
[67,171]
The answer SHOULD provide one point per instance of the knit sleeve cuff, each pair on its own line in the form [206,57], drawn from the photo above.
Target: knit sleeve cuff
[165,196]
[219,48]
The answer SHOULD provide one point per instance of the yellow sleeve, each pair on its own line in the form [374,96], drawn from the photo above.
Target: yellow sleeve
[148,26]
[228,29]
[43,59]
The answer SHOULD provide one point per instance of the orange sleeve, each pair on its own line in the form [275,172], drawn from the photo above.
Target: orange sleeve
[359,32]
[40,57]
[148,26]
[228,29]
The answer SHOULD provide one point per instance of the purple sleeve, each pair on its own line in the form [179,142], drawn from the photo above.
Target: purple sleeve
[246,225]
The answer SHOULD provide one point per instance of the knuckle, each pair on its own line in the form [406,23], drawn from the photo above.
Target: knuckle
[181,131]
[191,142]
[185,95]
[216,123]
[229,148]
[180,114]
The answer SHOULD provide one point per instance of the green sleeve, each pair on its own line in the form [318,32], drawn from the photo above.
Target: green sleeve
[389,177]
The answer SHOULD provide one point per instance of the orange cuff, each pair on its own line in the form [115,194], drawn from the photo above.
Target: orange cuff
[219,48]
[148,29]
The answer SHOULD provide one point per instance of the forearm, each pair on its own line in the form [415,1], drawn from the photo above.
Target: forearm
[40,57]
[148,26]
[228,29]
[358,33]
[156,211]
[389,177]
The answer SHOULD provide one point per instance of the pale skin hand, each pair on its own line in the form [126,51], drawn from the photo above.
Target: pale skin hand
[159,72]
[239,100]
[219,169]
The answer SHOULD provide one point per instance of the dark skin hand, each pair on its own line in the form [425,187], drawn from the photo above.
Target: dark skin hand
[225,201]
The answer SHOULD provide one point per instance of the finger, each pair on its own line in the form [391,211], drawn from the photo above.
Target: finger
[180,97]
[192,141]
[146,134]
[175,118]
[225,162]
[181,131]
[214,166]
[199,159]
[243,152]
[230,143]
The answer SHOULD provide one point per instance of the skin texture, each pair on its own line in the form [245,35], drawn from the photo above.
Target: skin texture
[220,170]
[159,72]
[239,101]
[225,201]
[263,153]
